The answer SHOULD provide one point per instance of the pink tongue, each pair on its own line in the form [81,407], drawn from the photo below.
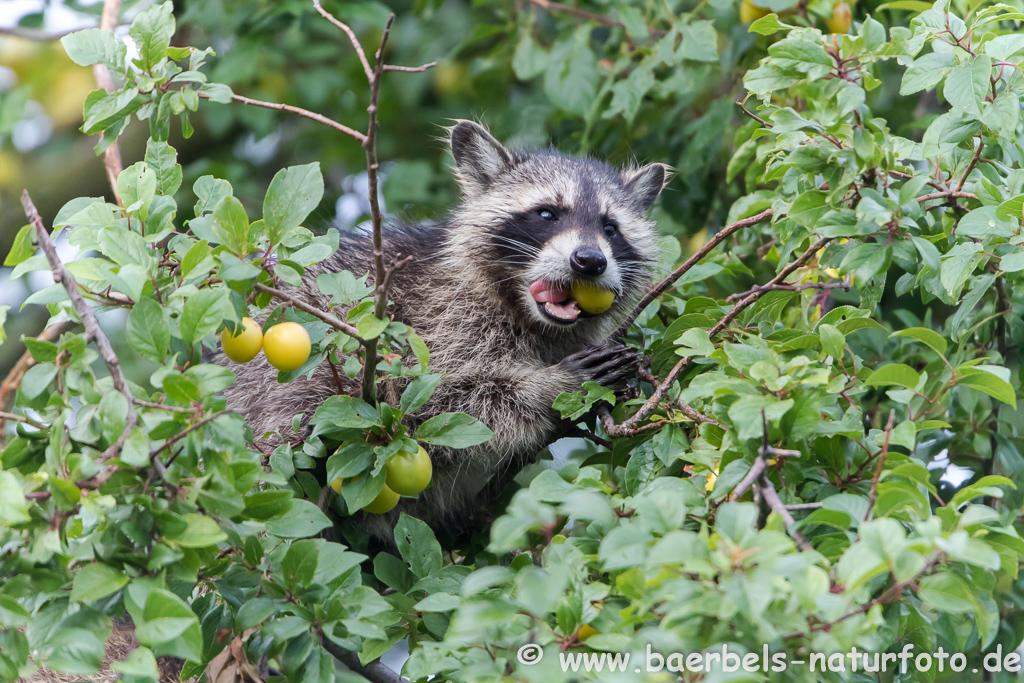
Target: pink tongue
[543,291]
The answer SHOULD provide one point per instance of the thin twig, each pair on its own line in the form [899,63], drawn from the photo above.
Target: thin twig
[844,285]
[153,454]
[695,414]
[659,289]
[873,494]
[970,166]
[320,118]
[351,37]
[345,327]
[161,406]
[92,325]
[410,69]
[21,418]
[805,506]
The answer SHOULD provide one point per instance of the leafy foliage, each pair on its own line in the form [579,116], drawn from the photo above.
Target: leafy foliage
[843,390]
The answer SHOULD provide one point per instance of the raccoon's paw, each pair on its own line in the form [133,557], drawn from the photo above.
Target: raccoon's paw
[610,365]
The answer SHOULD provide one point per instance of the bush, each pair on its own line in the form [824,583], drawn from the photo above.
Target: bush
[778,488]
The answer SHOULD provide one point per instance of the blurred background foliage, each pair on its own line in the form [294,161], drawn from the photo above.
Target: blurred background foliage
[654,80]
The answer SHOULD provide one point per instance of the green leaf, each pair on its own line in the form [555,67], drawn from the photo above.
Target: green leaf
[419,392]
[163,160]
[95,581]
[203,313]
[926,336]
[767,25]
[700,42]
[137,187]
[169,626]
[37,379]
[570,80]
[529,60]
[832,340]
[894,374]
[948,592]
[1012,263]
[140,664]
[93,46]
[438,602]
[417,546]
[13,506]
[293,194]
[77,651]
[303,520]
[967,85]
[455,430]
[343,412]
[370,326]
[694,342]
[201,532]
[152,31]
[988,383]
[231,225]
[209,191]
[147,330]
[573,405]
[343,287]
[926,72]
[300,562]
[23,246]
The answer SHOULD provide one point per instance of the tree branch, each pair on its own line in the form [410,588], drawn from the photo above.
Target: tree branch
[659,289]
[92,325]
[947,194]
[345,327]
[372,166]
[375,672]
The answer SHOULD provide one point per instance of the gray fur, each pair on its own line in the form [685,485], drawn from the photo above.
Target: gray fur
[503,362]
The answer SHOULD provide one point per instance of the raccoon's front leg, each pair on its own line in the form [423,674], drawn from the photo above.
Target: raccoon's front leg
[610,365]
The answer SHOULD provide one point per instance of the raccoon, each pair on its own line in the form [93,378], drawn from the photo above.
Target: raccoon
[488,289]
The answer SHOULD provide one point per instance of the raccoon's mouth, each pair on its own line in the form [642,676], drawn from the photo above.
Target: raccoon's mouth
[555,302]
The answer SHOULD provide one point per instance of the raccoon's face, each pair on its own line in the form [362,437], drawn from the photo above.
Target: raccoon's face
[552,228]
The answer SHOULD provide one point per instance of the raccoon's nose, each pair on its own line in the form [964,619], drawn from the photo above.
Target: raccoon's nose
[588,261]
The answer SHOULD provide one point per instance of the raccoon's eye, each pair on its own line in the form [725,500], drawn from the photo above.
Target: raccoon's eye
[548,215]
[611,229]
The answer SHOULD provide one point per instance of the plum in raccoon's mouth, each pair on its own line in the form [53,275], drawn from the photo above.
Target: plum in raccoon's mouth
[555,302]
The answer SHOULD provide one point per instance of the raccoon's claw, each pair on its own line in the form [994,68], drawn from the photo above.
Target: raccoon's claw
[611,366]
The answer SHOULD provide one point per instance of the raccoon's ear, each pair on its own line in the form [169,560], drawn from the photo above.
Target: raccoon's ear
[646,183]
[479,158]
